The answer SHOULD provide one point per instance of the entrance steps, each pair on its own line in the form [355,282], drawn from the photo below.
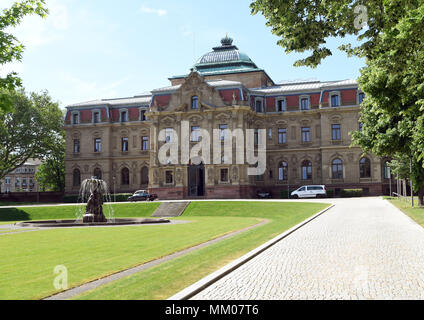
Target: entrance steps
[171,209]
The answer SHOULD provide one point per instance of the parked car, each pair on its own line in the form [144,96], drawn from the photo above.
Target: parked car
[310,192]
[264,195]
[142,195]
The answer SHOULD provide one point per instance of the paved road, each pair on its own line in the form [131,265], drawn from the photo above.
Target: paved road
[360,249]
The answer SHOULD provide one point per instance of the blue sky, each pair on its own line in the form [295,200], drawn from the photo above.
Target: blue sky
[91,49]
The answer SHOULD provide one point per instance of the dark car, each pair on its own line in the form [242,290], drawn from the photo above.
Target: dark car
[264,195]
[142,196]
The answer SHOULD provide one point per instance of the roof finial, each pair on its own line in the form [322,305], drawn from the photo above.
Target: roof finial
[227,41]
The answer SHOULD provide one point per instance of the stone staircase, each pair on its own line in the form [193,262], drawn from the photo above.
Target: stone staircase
[171,209]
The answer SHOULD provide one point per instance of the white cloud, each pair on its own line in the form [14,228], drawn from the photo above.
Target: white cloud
[159,12]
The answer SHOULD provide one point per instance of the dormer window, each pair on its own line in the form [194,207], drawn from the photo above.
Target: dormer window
[75,118]
[124,116]
[195,103]
[143,115]
[258,105]
[361,97]
[281,105]
[96,116]
[335,99]
[304,103]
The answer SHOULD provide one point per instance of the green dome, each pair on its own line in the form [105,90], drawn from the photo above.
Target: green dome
[224,59]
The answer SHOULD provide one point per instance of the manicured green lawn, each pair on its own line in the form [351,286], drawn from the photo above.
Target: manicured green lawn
[126,210]
[28,259]
[416,213]
[165,280]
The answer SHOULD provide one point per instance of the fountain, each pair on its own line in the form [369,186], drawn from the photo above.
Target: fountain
[94,192]
[96,189]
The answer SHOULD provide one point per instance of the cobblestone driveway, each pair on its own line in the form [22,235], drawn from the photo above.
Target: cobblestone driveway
[360,249]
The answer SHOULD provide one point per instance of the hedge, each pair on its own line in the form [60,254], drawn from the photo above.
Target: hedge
[121,197]
[350,193]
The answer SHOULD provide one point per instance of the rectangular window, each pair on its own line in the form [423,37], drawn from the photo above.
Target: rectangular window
[335,100]
[224,175]
[7,180]
[76,146]
[97,145]
[96,117]
[169,177]
[195,103]
[306,134]
[336,132]
[222,131]
[304,104]
[282,136]
[258,106]
[361,97]
[124,116]
[195,134]
[270,133]
[75,118]
[143,115]
[256,137]
[145,144]
[281,105]
[124,144]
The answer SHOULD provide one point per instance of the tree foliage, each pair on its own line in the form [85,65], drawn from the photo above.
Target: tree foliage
[31,130]
[392,44]
[10,47]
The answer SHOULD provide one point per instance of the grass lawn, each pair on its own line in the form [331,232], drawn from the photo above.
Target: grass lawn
[416,213]
[28,259]
[165,280]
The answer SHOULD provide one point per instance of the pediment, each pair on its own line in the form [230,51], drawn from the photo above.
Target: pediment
[195,85]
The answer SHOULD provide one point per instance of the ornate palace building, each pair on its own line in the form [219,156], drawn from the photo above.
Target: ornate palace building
[307,125]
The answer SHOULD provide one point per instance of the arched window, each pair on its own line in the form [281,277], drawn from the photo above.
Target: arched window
[306,170]
[195,102]
[145,176]
[337,166]
[125,176]
[283,171]
[77,178]
[365,168]
[97,173]
[387,172]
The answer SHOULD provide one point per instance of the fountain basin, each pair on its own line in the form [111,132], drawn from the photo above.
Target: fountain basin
[79,223]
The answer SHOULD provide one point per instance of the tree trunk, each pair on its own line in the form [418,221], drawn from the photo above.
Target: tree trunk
[421,197]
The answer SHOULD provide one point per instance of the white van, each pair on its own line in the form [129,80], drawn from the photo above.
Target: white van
[310,192]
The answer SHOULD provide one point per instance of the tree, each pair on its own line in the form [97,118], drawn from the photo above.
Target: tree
[31,130]
[10,48]
[51,174]
[392,113]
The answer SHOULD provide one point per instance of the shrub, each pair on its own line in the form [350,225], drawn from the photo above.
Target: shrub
[350,193]
[120,197]
[284,194]
[330,193]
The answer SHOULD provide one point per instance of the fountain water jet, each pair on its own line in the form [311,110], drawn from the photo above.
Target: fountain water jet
[95,193]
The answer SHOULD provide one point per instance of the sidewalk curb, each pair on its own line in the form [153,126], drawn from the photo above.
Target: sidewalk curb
[202,284]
